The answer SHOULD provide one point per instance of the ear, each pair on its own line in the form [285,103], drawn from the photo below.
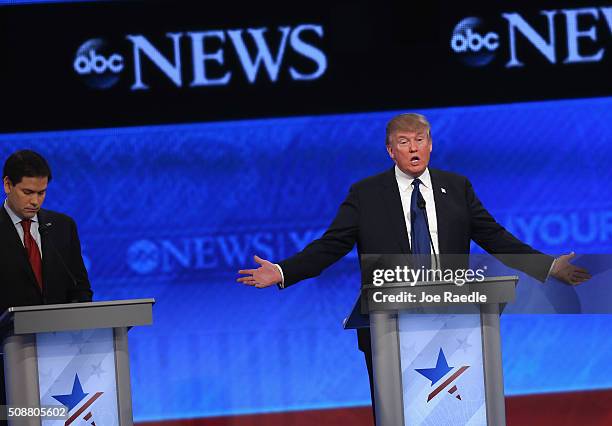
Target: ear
[7,185]
[390,151]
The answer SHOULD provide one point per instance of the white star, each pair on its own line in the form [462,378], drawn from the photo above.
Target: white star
[97,369]
[463,344]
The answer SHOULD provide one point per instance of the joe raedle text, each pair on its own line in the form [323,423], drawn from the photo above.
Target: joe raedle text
[426,297]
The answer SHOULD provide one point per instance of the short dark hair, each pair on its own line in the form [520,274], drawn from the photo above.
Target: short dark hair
[25,163]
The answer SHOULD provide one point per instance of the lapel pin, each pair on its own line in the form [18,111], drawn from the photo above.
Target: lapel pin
[443,190]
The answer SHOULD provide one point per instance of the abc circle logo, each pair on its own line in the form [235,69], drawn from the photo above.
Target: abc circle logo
[97,65]
[474,45]
[143,256]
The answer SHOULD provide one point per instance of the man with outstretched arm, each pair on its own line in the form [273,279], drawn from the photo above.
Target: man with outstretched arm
[380,216]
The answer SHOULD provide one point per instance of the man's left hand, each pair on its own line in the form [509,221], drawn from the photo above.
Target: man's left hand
[570,274]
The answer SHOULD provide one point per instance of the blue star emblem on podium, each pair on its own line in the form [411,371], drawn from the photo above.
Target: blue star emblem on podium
[75,399]
[435,374]
[72,399]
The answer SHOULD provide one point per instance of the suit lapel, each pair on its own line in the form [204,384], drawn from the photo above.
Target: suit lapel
[441,211]
[393,203]
[15,245]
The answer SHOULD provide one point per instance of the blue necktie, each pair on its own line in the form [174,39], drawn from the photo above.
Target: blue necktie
[419,233]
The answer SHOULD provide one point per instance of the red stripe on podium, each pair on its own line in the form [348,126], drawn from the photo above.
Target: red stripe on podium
[447,382]
[83,408]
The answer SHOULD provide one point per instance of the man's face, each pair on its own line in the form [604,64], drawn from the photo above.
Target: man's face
[410,150]
[26,198]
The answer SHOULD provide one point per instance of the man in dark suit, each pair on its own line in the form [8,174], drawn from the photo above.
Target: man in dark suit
[41,260]
[381,217]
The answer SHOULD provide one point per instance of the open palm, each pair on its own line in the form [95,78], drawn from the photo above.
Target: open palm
[265,276]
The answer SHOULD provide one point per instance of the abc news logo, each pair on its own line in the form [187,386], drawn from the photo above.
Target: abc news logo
[475,42]
[568,36]
[97,65]
[92,62]
[100,65]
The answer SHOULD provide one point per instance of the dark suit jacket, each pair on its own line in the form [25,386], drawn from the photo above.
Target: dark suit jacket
[18,285]
[372,217]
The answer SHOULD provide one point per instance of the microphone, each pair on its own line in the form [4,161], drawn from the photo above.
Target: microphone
[43,230]
[421,204]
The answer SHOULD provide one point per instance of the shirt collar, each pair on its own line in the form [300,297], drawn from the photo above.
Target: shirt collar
[16,219]
[404,181]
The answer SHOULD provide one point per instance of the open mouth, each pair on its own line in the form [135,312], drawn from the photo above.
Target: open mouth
[414,160]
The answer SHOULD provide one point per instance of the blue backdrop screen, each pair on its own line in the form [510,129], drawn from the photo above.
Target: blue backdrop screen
[172,212]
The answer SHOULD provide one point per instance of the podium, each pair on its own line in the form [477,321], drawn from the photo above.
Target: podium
[436,361]
[73,356]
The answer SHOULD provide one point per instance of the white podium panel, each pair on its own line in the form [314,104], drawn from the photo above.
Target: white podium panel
[77,369]
[442,369]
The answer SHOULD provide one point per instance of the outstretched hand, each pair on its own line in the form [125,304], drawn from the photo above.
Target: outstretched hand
[265,276]
[570,274]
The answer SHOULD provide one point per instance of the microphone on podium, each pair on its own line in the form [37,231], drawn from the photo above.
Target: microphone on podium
[43,230]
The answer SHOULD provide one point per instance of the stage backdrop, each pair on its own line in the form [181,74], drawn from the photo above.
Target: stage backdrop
[172,212]
[186,138]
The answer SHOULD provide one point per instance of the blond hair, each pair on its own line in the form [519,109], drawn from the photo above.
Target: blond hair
[411,122]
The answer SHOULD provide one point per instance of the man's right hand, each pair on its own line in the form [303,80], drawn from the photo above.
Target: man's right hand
[265,276]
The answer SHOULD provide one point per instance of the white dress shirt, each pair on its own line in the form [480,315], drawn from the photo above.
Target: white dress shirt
[33,227]
[404,183]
